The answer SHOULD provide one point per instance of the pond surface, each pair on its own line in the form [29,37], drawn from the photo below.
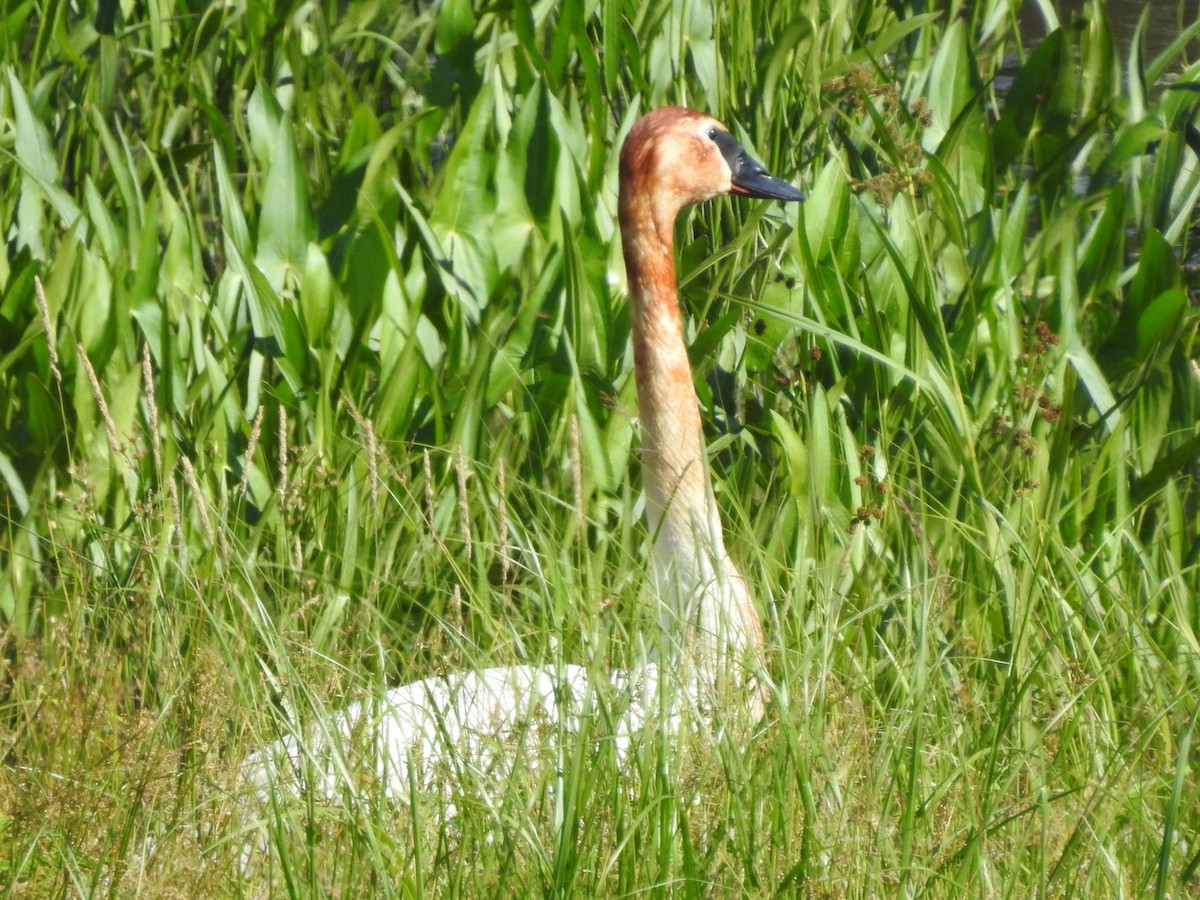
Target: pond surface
[1167,19]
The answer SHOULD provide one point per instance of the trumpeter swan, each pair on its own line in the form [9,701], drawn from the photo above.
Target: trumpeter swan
[466,725]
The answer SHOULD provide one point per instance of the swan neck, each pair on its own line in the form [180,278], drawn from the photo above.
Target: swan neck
[699,587]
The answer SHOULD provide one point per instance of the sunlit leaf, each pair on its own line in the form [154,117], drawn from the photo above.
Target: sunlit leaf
[285,224]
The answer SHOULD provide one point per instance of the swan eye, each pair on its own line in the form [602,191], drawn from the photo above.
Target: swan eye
[712,134]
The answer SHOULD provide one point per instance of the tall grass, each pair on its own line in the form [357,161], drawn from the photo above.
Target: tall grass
[314,380]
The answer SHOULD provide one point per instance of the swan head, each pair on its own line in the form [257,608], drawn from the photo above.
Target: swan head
[674,157]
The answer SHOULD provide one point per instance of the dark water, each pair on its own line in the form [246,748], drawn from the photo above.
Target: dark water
[1167,19]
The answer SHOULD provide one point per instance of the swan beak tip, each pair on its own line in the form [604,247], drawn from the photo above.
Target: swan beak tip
[762,186]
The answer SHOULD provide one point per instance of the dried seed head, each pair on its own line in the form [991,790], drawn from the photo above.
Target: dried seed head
[282,487]
[151,408]
[248,456]
[47,327]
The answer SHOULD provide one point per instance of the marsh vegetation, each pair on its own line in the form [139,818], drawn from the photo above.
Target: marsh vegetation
[315,380]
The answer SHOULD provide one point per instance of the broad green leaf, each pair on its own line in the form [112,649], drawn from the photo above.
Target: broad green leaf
[394,330]
[702,49]
[1104,249]
[33,153]
[529,158]
[1029,95]
[16,488]
[32,140]
[826,211]
[1158,324]
[1180,459]
[1133,141]
[1157,273]
[880,45]
[586,322]
[613,27]
[767,331]
[399,387]
[1100,66]
[1171,53]
[117,159]
[464,205]
[779,62]
[264,116]
[1096,385]
[454,75]
[595,455]
[285,224]
[460,268]
[317,296]
[107,230]
[96,325]
[233,219]
[823,477]
[794,454]
[951,83]
[1013,234]
[147,268]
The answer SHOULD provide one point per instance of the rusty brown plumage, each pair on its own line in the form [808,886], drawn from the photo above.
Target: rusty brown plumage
[674,157]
